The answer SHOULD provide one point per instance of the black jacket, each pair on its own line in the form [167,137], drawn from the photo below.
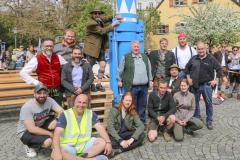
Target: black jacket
[154,59]
[193,69]
[67,82]
[160,107]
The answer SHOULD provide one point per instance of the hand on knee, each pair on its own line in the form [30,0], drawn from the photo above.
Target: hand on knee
[47,143]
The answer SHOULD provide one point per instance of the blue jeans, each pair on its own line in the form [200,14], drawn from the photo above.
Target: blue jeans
[206,91]
[140,93]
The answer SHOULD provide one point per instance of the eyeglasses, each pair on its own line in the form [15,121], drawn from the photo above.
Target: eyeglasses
[97,13]
[235,50]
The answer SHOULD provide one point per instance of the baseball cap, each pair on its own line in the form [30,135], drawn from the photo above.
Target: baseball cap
[182,35]
[39,88]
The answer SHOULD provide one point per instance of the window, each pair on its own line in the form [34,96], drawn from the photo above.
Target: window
[151,5]
[178,2]
[139,6]
[162,29]
[179,26]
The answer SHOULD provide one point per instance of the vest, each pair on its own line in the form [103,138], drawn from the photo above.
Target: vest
[77,134]
[129,68]
[48,72]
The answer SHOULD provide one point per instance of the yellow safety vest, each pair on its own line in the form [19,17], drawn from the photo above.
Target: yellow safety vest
[76,134]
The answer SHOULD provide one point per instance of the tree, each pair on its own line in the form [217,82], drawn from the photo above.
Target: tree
[151,17]
[85,9]
[211,24]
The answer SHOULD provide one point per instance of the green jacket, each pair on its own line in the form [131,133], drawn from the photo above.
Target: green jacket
[128,73]
[132,123]
[96,36]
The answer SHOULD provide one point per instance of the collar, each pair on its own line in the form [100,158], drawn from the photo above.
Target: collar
[174,78]
[79,64]
[184,94]
[136,56]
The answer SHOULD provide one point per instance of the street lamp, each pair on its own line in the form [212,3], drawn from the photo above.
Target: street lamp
[15,36]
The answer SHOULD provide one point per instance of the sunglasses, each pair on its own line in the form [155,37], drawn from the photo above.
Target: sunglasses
[235,50]
[97,13]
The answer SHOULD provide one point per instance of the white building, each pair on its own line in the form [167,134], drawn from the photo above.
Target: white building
[147,4]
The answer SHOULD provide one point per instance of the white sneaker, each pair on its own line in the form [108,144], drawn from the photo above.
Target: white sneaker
[30,152]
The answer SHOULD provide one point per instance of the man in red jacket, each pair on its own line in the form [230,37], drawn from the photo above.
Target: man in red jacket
[47,66]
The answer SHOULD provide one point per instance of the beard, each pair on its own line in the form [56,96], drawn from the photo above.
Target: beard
[41,100]
[77,59]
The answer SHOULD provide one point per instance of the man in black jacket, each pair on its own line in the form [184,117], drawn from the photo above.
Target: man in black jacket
[161,109]
[161,60]
[77,76]
[200,75]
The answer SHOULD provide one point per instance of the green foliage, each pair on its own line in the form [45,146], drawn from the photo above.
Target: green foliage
[6,26]
[85,8]
[212,24]
[151,18]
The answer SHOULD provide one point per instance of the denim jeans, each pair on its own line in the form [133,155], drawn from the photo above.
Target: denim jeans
[140,93]
[206,91]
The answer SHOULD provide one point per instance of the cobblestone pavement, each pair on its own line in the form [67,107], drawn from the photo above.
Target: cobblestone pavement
[223,142]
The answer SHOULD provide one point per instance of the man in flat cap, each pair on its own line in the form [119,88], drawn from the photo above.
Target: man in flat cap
[95,41]
[37,120]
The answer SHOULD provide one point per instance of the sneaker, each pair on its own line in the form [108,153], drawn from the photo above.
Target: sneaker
[209,125]
[101,157]
[30,152]
[99,87]
[93,88]
[166,136]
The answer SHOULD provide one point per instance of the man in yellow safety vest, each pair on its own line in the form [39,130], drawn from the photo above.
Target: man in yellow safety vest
[72,137]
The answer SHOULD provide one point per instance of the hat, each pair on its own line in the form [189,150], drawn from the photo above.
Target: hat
[97,10]
[182,35]
[174,66]
[21,46]
[39,88]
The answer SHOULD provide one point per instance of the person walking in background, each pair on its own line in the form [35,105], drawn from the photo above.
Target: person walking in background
[30,53]
[234,74]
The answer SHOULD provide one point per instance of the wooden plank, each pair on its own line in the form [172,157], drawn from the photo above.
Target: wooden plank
[17,93]
[14,75]
[13,102]
[14,86]
[12,80]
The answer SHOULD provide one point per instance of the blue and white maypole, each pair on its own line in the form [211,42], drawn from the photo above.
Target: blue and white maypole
[131,29]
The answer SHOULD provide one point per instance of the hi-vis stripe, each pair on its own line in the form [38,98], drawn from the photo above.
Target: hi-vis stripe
[69,121]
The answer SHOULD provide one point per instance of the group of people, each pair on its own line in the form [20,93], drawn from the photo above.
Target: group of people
[175,76]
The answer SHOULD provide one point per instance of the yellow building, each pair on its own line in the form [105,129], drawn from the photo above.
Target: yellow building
[170,8]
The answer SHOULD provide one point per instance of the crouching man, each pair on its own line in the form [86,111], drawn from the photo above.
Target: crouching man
[72,137]
[161,109]
[37,121]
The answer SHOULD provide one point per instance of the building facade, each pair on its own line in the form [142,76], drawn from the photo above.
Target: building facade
[169,21]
